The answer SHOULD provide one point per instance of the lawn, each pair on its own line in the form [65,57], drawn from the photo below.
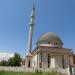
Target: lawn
[29,73]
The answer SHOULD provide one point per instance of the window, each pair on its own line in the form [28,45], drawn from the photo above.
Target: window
[63,62]
[40,60]
[48,42]
[48,60]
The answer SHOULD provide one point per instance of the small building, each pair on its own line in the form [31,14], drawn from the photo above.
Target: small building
[23,61]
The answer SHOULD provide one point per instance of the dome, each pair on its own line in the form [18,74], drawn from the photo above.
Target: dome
[50,38]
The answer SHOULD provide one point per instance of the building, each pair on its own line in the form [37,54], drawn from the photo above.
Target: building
[49,51]
[74,59]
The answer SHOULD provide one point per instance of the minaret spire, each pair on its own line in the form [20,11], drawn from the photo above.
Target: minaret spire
[32,17]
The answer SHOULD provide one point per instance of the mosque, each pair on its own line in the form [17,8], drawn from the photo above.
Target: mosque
[49,51]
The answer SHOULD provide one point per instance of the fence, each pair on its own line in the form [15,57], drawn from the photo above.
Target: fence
[25,69]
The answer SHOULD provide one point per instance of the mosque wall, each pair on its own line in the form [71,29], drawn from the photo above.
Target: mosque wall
[66,60]
[58,58]
[52,63]
[58,61]
[34,61]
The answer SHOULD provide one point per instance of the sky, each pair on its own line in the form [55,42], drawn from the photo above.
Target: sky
[56,16]
[5,56]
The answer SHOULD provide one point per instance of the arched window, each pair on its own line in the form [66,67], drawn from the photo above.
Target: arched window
[63,64]
[48,60]
[40,57]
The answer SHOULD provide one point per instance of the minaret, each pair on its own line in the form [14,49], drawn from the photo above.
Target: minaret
[32,17]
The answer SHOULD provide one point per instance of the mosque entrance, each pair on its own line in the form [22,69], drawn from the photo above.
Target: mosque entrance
[29,63]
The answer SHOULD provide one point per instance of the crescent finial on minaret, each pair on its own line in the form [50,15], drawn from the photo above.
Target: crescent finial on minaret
[33,6]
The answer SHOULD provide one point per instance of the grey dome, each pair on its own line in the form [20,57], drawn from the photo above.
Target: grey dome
[50,37]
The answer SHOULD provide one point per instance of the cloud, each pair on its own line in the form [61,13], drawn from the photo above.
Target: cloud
[5,56]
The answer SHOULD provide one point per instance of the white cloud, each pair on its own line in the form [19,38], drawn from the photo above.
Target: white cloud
[5,56]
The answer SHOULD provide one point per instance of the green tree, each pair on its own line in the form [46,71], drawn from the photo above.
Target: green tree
[11,61]
[3,63]
[15,61]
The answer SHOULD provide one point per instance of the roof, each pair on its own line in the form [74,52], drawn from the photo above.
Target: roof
[41,48]
[49,37]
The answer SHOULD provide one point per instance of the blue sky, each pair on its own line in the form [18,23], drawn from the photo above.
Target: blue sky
[51,16]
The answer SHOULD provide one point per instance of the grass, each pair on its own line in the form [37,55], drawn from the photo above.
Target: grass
[29,73]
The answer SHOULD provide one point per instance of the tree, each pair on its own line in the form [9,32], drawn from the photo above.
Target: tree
[3,63]
[11,61]
[15,61]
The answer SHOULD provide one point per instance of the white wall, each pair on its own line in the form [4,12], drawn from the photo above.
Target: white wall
[52,65]
[58,61]
[34,61]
